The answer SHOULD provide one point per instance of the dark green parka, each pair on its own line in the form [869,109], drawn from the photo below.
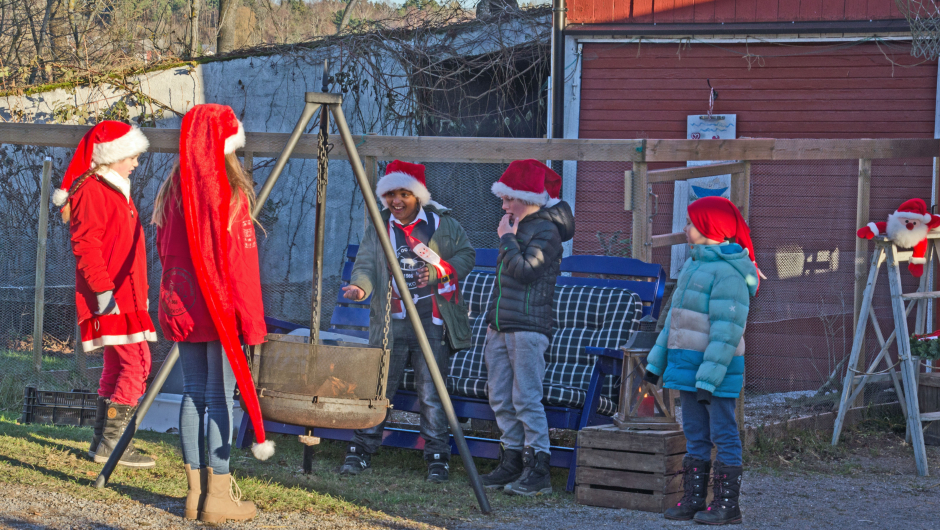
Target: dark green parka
[371,274]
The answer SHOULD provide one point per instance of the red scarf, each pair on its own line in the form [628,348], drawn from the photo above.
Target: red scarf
[447,277]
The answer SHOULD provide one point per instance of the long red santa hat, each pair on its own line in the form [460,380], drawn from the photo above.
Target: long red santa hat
[209,132]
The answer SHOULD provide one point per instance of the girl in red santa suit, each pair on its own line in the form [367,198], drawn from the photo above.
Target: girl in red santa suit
[110,276]
[210,303]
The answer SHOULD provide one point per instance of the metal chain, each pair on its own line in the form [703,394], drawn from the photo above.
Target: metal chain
[323,166]
[385,352]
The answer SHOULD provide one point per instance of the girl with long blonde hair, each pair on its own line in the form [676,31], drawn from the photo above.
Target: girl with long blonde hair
[210,303]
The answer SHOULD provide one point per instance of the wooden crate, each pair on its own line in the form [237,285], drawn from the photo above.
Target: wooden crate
[928,396]
[636,470]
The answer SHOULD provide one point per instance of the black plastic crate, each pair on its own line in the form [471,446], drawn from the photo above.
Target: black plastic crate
[75,408]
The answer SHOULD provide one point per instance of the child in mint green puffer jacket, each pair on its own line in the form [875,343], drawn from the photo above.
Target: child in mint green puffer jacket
[700,352]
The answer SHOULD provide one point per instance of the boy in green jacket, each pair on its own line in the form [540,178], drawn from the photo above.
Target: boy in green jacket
[700,352]
[434,253]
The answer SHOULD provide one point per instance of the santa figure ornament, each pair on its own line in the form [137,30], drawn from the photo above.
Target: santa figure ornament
[907,227]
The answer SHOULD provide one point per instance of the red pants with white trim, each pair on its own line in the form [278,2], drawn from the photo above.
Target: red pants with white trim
[124,376]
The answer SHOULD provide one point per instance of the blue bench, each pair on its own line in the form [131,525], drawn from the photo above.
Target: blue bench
[594,314]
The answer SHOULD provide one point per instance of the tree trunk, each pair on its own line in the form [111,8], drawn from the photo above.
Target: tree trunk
[347,13]
[193,28]
[228,11]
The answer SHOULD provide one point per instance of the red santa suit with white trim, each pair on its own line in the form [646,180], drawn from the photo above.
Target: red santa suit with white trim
[907,227]
[110,258]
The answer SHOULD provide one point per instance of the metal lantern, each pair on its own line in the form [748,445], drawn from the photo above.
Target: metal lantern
[642,405]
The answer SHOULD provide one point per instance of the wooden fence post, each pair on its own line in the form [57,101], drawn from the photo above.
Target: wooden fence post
[39,298]
[372,169]
[861,260]
[79,353]
[642,238]
[741,197]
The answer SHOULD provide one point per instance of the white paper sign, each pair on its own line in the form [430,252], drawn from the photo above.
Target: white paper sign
[700,127]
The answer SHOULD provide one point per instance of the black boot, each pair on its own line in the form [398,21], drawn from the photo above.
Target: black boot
[438,468]
[509,469]
[356,461]
[724,508]
[117,418]
[694,487]
[535,479]
[100,415]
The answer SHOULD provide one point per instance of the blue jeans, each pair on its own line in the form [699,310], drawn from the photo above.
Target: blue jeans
[434,428]
[208,384]
[708,424]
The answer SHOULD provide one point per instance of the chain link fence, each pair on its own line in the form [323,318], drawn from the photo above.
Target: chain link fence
[286,237]
[802,215]
[803,222]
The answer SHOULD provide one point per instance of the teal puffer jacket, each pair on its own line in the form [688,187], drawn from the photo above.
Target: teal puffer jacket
[702,343]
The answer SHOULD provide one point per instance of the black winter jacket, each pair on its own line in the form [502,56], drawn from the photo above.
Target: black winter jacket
[528,264]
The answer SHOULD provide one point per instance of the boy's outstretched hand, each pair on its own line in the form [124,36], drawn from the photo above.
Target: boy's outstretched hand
[351,292]
[506,226]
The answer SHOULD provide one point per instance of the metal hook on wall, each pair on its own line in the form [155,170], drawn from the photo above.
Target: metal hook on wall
[712,96]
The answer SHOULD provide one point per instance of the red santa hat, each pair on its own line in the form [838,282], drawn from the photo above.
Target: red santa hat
[719,219]
[530,181]
[209,132]
[106,143]
[405,176]
[913,209]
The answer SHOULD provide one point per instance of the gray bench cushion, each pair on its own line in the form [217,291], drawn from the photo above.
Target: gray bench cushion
[584,316]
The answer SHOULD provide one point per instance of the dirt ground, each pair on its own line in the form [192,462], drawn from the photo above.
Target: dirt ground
[800,481]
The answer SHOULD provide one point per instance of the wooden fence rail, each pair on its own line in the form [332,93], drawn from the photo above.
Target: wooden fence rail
[503,150]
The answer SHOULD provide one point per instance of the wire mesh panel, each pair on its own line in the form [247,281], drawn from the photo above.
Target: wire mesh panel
[802,214]
[803,222]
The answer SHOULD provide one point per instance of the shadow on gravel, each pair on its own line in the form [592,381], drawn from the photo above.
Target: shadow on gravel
[22,521]
[138,494]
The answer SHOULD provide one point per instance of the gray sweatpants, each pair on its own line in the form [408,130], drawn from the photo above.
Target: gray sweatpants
[515,364]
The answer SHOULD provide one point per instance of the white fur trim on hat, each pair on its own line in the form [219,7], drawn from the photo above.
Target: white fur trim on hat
[398,180]
[130,145]
[236,141]
[874,228]
[911,215]
[501,190]
[918,261]
[59,196]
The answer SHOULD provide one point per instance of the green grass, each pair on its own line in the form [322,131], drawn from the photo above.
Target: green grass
[17,371]
[54,458]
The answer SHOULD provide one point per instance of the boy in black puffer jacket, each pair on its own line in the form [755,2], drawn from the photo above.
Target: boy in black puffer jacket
[520,322]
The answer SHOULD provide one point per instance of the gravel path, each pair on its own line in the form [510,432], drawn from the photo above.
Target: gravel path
[32,509]
[788,500]
[797,501]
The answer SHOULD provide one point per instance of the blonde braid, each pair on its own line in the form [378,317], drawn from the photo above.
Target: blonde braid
[67,209]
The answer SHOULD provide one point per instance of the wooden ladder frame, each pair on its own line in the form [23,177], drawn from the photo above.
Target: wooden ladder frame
[906,387]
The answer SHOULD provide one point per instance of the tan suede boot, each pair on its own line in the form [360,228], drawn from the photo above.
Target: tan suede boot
[196,496]
[223,500]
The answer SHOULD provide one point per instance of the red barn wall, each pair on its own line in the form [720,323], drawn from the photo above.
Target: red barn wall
[803,91]
[727,11]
